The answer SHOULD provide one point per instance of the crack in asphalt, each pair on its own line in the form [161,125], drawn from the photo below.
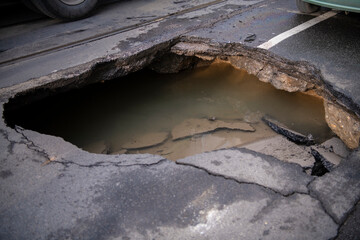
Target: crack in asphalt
[240,182]
[109,164]
[11,145]
[346,214]
[271,190]
[311,194]
[31,145]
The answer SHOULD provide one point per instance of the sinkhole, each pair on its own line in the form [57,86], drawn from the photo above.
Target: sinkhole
[173,115]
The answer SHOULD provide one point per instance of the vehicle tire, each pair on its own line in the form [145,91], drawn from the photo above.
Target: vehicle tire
[65,9]
[305,7]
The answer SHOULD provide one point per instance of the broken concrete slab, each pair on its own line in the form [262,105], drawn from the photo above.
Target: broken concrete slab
[325,157]
[321,166]
[219,139]
[336,146]
[204,143]
[68,154]
[283,149]
[146,140]
[247,166]
[328,159]
[333,150]
[339,190]
[163,200]
[287,132]
[193,126]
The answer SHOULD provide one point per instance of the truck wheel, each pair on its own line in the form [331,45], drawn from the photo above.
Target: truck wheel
[65,9]
[305,7]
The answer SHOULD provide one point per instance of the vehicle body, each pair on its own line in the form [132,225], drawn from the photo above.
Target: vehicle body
[309,6]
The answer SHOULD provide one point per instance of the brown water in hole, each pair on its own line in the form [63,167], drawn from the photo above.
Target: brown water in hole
[133,113]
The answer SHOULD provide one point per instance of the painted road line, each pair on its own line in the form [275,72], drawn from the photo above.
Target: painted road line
[281,37]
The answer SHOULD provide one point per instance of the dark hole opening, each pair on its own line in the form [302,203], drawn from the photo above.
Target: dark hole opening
[138,113]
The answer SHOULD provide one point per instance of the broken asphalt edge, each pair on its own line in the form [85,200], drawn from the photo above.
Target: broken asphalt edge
[117,66]
[121,64]
[99,160]
[291,76]
[337,192]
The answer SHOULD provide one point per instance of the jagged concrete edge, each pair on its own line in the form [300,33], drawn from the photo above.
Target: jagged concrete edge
[296,166]
[84,74]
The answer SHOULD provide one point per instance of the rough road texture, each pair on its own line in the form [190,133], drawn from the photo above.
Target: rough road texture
[339,190]
[145,197]
[291,76]
[161,201]
[245,165]
[52,190]
[350,229]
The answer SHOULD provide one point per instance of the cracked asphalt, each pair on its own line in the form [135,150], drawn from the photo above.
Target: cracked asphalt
[51,189]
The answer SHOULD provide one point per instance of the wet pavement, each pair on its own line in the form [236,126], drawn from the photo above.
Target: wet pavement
[51,189]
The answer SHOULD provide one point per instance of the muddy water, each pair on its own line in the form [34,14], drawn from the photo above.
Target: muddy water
[138,113]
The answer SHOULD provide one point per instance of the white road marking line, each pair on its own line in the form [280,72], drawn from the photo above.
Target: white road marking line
[281,37]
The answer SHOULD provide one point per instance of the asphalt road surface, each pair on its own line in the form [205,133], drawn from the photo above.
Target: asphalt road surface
[50,189]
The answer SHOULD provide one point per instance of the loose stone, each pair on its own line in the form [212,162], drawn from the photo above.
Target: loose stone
[250,38]
[327,157]
[284,150]
[336,146]
[321,165]
[288,133]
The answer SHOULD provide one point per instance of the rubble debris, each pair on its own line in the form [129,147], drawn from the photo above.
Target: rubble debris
[326,157]
[318,169]
[203,143]
[326,154]
[321,165]
[193,126]
[339,190]
[250,38]
[288,133]
[146,140]
[284,150]
[336,146]
[220,139]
